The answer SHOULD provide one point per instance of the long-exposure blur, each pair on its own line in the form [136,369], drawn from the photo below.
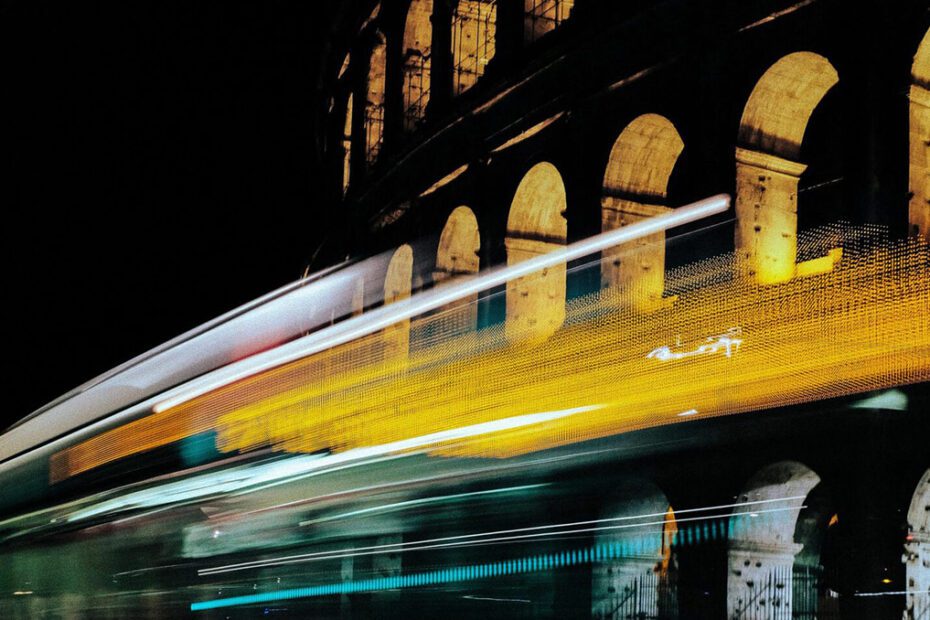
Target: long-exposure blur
[636,325]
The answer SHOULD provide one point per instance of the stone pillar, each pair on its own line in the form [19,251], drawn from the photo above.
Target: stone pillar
[766,215]
[916,556]
[759,579]
[636,268]
[440,96]
[625,588]
[536,302]
[919,168]
[917,574]
[508,35]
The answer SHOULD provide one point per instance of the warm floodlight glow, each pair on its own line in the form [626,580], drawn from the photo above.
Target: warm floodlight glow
[790,337]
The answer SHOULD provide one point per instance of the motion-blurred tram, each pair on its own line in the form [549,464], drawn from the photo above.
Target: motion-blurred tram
[340,448]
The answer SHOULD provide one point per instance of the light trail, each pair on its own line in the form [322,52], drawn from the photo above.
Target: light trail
[433,299]
[417,502]
[483,542]
[543,562]
[496,533]
[281,472]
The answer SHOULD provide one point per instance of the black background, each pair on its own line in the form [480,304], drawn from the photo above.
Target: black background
[159,161]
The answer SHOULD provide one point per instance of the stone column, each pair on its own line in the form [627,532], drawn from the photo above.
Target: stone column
[916,556]
[919,167]
[636,268]
[759,579]
[917,573]
[535,303]
[766,215]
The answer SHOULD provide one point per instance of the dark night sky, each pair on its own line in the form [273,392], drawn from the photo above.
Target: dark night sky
[158,168]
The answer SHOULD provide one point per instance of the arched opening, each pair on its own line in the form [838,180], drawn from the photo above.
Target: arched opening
[418,42]
[457,255]
[397,286]
[474,28]
[917,550]
[458,245]
[919,167]
[637,580]
[543,16]
[347,145]
[763,544]
[374,100]
[767,171]
[635,188]
[536,225]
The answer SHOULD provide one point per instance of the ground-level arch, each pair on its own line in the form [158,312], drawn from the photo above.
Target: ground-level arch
[762,546]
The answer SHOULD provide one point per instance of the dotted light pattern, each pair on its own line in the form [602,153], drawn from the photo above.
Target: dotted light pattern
[863,325]
[642,546]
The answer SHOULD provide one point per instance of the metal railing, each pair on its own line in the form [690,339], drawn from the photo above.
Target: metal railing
[416,88]
[474,24]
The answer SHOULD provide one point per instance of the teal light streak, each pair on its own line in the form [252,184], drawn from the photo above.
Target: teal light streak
[598,552]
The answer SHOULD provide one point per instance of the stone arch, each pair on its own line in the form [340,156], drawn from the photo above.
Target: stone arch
[628,585]
[919,161]
[917,550]
[418,44]
[398,283]
[635,188]
[536,225]
[762,545]
[457,255]
[374,98]
[459,243]
[767,171]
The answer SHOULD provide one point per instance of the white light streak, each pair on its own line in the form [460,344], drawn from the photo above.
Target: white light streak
[278,472]
[385,316]
[417,502]
[501,535]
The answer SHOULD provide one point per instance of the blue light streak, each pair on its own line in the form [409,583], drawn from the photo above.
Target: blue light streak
[604,551]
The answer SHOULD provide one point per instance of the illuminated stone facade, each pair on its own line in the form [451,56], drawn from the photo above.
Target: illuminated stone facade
[510,129]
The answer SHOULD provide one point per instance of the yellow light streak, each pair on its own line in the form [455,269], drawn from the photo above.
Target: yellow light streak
[862,325]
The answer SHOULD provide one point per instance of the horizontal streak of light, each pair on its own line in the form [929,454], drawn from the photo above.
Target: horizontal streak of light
[595,553]
[499,469]
[385,316]
[499,600]
[483,542]
[418,502]
[402,546]
[288,471]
